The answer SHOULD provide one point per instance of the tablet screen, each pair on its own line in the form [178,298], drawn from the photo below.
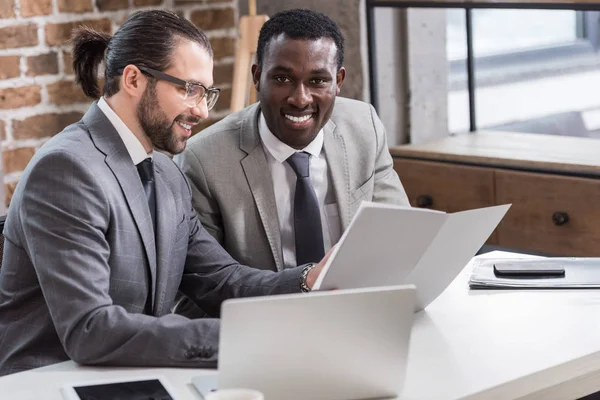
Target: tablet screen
[137,390]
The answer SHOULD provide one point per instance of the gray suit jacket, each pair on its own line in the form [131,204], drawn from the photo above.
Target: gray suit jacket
[232,190]
[80,260]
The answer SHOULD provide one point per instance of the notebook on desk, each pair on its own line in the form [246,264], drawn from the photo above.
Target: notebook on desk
[579,273]
[392,245]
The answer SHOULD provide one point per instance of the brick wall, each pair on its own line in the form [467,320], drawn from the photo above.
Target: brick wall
[37,95]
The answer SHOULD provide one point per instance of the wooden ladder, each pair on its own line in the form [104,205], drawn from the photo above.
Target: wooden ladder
[243,92]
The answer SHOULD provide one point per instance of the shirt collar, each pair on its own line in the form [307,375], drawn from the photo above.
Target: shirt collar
[281,151]
[132,144]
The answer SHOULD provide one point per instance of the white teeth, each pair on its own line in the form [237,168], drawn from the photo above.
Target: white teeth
[185,126]
[298,119]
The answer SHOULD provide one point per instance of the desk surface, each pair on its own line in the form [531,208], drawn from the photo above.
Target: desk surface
[540,344]
[514,150]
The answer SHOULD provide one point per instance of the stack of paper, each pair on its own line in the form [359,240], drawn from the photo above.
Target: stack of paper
[579,273]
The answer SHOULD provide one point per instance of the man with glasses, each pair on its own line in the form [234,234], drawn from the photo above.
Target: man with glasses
[278,182]
[195,92]
[101,234]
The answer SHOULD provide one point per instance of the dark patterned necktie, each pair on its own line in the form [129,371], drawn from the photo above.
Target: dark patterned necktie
[146,171]
[307,218]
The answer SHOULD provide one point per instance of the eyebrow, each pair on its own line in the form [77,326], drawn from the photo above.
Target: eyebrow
[281,68]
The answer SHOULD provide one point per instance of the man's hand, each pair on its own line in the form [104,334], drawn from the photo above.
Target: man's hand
[312,276]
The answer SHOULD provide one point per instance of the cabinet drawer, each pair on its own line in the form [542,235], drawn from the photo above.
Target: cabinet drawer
[446,187]
[550,214]
[450,187]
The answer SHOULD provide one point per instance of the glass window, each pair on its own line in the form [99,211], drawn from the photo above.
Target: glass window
[533,68]
[506,31]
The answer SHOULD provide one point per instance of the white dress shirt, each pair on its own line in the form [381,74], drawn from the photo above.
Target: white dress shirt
[132,143]
[284,185]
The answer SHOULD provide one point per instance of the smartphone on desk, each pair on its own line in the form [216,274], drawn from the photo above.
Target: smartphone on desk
[528,270]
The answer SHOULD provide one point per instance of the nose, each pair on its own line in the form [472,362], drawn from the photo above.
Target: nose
[200,110]
[300,97]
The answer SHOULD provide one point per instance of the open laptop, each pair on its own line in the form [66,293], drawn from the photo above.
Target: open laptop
[345,344]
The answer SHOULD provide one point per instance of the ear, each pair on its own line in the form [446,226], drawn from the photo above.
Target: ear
[339,79]
[256,70]
[133,81]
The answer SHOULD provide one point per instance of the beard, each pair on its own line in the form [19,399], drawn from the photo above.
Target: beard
[156,124]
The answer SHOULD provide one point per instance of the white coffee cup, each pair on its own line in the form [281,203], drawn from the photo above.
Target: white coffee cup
[234,394]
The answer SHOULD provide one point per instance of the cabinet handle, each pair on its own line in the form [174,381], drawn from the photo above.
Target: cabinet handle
[560,218]
[424,201]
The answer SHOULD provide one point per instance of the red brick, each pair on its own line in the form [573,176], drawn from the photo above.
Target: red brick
[68,62]
[43,64]
[223,74]
[223,47]
[10,67]
[111,5]
[66,92]
[16,159]
[74,6]
[9,190]
[7,9]
[23,96]
[140,3]
[57,34]
[44,125]
[31,8]
[220,18]
[24,35]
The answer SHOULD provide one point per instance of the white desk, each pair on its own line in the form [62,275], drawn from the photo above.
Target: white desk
[467,345]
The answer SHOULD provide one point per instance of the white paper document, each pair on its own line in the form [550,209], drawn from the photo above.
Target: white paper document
[393,245]
[580,273]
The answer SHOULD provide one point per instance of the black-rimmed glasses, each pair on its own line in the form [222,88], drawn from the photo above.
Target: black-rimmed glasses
[194,91]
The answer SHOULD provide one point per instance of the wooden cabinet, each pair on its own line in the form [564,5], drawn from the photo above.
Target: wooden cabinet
[446,187]
[550,213]
[552,183]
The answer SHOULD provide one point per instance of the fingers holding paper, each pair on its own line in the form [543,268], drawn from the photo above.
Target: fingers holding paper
[316,271]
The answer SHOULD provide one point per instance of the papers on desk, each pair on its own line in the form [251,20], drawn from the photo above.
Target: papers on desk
[393,245]
[579,273]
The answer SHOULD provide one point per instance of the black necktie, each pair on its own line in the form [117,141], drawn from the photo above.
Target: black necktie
[146,171]
[307,218]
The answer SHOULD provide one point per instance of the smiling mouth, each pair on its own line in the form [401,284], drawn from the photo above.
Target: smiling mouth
[300,119]
[184,125]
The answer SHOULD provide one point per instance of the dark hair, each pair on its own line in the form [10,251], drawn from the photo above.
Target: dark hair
[300,24]
[146,39]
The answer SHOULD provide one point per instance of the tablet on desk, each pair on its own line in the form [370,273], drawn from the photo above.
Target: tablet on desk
[138,388]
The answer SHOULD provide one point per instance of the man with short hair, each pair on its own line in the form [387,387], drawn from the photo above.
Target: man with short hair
[278,182]
[101,234]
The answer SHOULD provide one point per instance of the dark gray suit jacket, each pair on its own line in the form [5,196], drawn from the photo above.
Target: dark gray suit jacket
[80,260]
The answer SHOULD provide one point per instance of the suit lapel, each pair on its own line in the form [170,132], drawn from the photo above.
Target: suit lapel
[108,141]
[254,166]
[337,163]
[164,235]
